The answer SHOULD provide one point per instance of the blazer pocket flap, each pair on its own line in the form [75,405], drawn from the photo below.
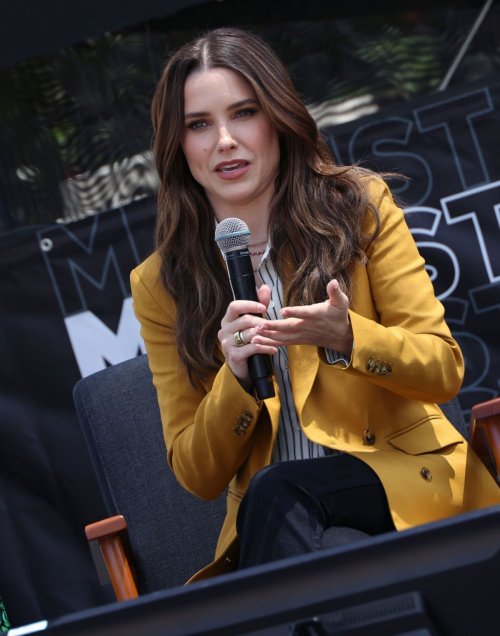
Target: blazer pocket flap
[426,437]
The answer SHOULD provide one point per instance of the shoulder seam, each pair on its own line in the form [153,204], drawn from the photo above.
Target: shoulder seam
[134,271]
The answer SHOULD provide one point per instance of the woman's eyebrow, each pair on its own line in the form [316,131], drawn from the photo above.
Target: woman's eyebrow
[205,113]
[243,102]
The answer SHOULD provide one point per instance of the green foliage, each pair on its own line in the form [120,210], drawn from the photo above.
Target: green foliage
[4,621]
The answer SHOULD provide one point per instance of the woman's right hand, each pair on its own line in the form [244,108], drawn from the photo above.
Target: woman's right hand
[238,318]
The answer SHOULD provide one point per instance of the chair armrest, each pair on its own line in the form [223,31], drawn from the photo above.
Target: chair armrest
[484,434]
[109,540]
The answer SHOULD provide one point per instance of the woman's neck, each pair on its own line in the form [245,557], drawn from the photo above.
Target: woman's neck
[254,214]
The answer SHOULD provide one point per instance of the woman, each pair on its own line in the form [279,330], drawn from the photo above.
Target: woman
[358,375]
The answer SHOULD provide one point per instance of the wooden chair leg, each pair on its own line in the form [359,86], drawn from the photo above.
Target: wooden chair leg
[112,537]
[118,567]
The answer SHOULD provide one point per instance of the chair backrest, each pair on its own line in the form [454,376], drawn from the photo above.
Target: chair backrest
[173,534]
[453,411]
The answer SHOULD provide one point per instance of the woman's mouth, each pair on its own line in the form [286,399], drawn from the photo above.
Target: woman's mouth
[233,170]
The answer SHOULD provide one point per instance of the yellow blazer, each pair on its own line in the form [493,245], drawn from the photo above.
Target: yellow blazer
[404,361]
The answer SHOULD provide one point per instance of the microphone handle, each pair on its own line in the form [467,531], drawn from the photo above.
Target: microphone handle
[242,279]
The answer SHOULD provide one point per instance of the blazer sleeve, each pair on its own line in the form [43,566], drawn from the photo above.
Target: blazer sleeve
[411,344]
[204,449]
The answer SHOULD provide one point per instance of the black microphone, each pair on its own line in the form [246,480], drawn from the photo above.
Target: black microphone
[233,238]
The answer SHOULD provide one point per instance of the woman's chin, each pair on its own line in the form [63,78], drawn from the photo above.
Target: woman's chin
[235,198]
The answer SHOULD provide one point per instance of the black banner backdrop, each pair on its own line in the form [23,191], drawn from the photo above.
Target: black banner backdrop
[61,287]
[66,313]
[447,146]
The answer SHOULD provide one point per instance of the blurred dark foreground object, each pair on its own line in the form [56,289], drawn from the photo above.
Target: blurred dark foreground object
[438,579]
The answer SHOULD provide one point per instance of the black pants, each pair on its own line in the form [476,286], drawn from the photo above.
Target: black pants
[289,505]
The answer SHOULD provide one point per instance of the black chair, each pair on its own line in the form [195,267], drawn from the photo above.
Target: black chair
[171,533]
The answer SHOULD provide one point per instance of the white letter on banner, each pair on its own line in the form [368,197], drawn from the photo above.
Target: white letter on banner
[94,343]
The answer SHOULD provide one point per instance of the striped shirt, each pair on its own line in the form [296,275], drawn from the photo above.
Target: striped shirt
[291,442]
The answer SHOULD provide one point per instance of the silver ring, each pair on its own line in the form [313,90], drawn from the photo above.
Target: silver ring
[238,338]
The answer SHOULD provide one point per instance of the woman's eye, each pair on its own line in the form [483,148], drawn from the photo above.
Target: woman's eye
[246,113]
[241,114]
[197,125]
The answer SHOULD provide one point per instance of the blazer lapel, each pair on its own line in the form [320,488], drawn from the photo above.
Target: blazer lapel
[304,362]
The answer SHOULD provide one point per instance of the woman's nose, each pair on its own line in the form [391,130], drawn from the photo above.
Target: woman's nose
[226,141]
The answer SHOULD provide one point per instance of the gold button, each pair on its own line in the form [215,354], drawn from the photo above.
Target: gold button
[368,437]
[370,364]
[426,474]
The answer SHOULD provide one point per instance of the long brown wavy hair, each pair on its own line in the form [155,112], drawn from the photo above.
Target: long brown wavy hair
[316,214]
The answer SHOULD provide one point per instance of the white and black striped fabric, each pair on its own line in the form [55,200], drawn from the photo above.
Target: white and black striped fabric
[291,442]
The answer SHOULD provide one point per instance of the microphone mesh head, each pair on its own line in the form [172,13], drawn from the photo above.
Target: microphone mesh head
[231,234]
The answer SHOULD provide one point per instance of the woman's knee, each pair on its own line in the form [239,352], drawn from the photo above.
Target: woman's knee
[269,489]
[266,482]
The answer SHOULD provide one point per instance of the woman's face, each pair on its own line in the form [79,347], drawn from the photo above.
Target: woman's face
[230,145]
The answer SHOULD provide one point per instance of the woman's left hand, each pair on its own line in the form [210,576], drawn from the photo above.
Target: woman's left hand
[322,325]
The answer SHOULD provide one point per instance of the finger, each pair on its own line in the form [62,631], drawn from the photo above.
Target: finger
[336,296]
[264,295]
[247,321]
[297,312]
[239,355]
[237,308]
[247,335]
[269,350]
[276,340]
[283,326]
